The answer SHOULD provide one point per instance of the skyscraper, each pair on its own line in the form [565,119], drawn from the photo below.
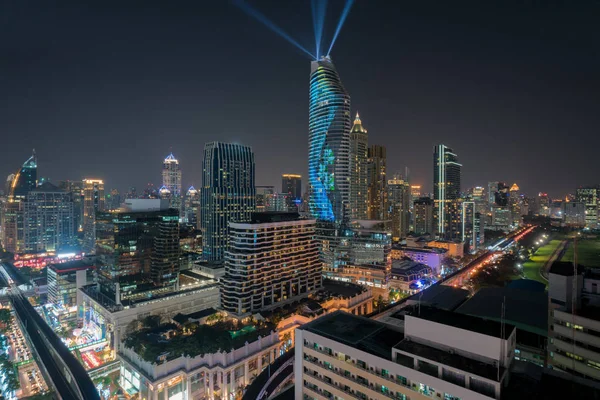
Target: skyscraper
[283,268]
[399,200]
[21,184]
[589,196]
[93,201]
[423,209]
[228,194]
[377,183]
[359,144]
[48,219]
[171,175]
[192,205]
[291,185]
[446,192]
[328,143]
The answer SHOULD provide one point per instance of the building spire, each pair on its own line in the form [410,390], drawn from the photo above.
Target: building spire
[357,127]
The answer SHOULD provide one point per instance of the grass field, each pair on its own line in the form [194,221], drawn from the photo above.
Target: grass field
[532,267]
[588,253]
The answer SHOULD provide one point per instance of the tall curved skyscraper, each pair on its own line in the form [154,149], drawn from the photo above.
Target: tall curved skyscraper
[328,143]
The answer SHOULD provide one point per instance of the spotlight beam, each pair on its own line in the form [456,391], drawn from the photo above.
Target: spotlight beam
[319,8]
[343,17]
[269,24]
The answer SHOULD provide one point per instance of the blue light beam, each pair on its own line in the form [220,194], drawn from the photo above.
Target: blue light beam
[319,8]
[269,24]
[345,13]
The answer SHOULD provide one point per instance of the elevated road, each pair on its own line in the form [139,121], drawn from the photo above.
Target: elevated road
[65,373]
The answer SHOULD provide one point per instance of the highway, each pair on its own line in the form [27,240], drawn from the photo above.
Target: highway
[67,375]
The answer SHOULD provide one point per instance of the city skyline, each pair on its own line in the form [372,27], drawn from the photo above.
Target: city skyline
[429,91]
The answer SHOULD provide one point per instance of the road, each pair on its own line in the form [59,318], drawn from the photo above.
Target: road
[68,376]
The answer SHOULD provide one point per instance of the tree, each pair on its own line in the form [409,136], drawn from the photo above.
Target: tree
[151,321]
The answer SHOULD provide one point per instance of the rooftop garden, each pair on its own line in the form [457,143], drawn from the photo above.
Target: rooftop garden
[168,341]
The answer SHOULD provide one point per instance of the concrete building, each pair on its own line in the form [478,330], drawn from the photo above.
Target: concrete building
[574,345]
[439,355]
[377,183]
[271,260]
[399,204]
[432,257]
[455,249]
[359,144]
[589,196]
[93,202]
[408,276]
[573,214]
[219,375]
[423,216]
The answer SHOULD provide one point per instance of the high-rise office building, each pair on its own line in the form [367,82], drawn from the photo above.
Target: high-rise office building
[291,186]
[446,192]
[93,202]
[399,200]
[228,194]
[477,195]
[192,206]
[113,200]
[284,267]
[472,226]
[491,193]
[21,184]
[171,175]
[48,219]
[76,190]
[515,203]
[543,204]
[328,143]
[423,210]
[415,191]
[377,190]
[502,195]
[137,249]
[359,148]
[171,178]
[589,196]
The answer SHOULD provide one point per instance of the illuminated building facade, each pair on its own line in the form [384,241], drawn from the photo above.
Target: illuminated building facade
[93,202]
[228,194]
[359,147]
[415,191]
[25,180]
[399,200]
[376,176]
[192,206]
[264,196]
[446,192]
[171,179]
[328,143]
[423,212]
[291,186]
[138,250]
[63,281]
[283,267]
[48,219]
[589,196]
[472,226]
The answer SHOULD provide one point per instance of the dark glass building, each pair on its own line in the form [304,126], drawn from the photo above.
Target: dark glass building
[291,185]
[138,252]
[228,194]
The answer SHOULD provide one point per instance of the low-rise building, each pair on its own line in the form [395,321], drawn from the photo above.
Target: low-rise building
[409,276]
[220,374]
[455,249]
[440,355]
[432,257]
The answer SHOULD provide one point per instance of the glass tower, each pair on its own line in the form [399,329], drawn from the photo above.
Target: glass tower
[228,194]
[359,143]
[328,143]
[446,192]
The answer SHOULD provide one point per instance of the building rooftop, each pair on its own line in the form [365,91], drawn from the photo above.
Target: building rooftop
[273,216]
[442,296]
[359,332]
[432,250]
[462,321]
[47,187]
[344,289]
[406,266]
[565,268]
[525,309]
[451,359]
[71,266]
[183,318]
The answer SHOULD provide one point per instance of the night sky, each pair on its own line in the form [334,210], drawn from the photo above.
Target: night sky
[106,88]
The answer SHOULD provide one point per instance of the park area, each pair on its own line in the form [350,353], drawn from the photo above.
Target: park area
[532,268]
[588,253]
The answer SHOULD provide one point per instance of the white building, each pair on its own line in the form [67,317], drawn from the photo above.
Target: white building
[219,375]
[442,355]
[106,322]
